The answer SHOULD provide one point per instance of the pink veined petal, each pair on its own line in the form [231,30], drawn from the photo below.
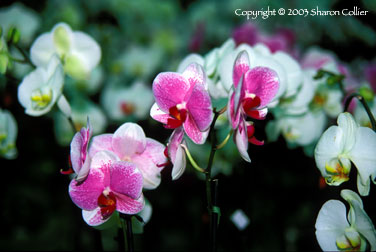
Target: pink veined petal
[263,82]
[174,142]
[99,143]
[85,194]
[194,73]
[200,108]
[241,66]
[126,179]
[180,163]
[78,151]
[93,217]
[241,141]
[193,132]
[82,174]
[127,205]
[147,163]
[128,139]
[169,89]
[234,114]
[75,152]
[157,114]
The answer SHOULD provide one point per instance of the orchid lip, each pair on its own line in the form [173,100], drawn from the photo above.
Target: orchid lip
[107,203]
[178,114]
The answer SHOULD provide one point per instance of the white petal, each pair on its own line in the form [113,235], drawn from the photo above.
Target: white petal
[128,139]
[359,218]
[293,71]
[191,58]
[349,127]
[328,147]
[330,224]
[87,49]
[42,49]
[179,164]
[363,154]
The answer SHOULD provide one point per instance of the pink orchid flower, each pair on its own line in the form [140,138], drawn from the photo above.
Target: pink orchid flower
[182,100]
[176,153]
[130,144]
[110,185]
[254,89]
[79,152]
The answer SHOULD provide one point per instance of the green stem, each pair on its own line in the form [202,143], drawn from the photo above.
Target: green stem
[213,217]
[365,105]
[190,158]
[128,233]
[72,124]
[25,56]
[221,145]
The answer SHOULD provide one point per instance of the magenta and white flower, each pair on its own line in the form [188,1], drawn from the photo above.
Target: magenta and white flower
[79,152]
[182,100]
[129,143]
[254,89]
[111,184]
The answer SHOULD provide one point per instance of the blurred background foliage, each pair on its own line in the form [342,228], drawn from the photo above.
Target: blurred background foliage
[279,191]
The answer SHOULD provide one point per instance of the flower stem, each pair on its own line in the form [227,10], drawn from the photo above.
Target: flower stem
[365,105]
[25,56]
[127,221]
[221,145]
[211,201]
[70,119]
[193,162]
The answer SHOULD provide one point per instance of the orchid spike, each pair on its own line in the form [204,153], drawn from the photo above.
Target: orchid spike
[254,89]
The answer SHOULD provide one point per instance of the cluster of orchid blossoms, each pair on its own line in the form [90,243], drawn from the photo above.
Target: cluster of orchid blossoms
[112,169]
[302,92]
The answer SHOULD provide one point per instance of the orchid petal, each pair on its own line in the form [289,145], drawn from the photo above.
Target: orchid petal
[126,179]
[359,218]
[194,73]
[349,128]
[328,147]
[330,224]
[85,194]
[179,164]
[363,155]
[241,66]
[42,49]
[191,58]
[93,217]
[233,110]
[193,132]
[175,140]
[128,139]
[128,205]
[263,82]
[99,143]
[87,48]
[200,108]
[169,90]
[241,140]
[157,114]
[147,163]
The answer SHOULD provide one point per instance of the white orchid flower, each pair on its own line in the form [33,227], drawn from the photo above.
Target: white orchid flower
[121,103]
[78,52]
[41,88]
[301,130]
[335,232]
[340,145]
[8,135]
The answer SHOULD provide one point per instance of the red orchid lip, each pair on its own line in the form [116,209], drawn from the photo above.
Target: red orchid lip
[178,117]
[107,204]
[250,105]
[251,138]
